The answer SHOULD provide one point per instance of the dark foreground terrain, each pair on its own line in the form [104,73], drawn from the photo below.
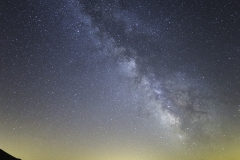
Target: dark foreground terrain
[6,156]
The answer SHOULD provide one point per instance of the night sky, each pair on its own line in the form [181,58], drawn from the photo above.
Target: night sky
[120,79]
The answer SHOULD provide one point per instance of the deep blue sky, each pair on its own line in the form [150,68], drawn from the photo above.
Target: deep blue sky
[119,79]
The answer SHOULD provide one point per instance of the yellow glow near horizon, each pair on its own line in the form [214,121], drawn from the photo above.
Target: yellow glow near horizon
[28,149]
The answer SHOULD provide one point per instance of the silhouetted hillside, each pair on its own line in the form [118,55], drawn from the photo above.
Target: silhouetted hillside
[6,156]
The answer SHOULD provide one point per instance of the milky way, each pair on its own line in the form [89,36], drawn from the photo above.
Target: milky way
[120,80]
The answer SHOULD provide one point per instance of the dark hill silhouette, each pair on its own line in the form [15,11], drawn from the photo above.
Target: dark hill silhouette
[6,156]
